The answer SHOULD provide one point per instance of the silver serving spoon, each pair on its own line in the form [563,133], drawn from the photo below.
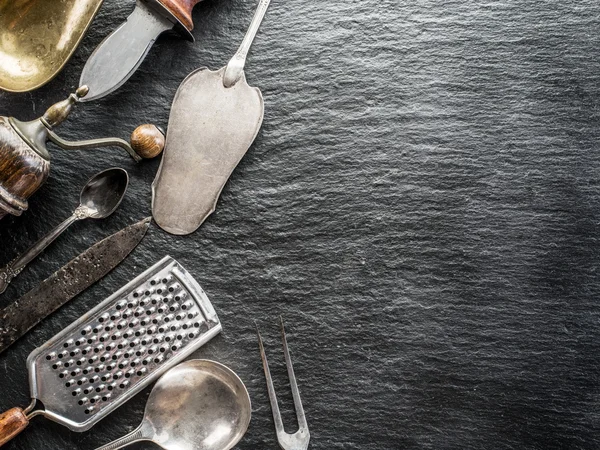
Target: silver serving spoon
[197,405]
[99,198]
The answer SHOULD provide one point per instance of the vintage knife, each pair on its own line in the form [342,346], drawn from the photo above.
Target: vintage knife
[73,278]
[121,52]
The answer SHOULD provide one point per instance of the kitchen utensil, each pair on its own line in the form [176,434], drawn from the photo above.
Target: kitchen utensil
[214,119]
[37,38]
[99,198]
[300,439]
[119,55]
[117,349]
[74,277]
[25,161]
[200,405]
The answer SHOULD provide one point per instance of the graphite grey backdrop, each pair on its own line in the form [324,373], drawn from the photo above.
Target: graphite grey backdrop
[422,206]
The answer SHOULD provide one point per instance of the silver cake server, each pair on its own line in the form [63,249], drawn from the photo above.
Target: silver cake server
[214,119]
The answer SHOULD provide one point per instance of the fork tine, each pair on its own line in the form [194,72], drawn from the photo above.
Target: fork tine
[270,387]
[294,386]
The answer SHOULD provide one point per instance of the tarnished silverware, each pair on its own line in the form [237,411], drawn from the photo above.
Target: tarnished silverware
[99,198]
[214,119]
[300,439]
[37,38]
[115,350]
[67,282]
[199,404]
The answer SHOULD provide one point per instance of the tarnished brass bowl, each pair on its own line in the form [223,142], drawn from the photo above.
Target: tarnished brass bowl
[37,38]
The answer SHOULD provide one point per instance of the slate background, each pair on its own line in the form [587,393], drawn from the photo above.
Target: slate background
[421,205]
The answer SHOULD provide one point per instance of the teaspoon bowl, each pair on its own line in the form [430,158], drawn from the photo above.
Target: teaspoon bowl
[104,192]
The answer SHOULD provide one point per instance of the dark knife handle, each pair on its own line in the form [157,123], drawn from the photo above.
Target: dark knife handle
[182,10]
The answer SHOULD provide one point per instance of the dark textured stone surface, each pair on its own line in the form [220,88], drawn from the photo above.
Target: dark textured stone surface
[422,206]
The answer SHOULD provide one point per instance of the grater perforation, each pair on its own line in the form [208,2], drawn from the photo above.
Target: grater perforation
[121,346]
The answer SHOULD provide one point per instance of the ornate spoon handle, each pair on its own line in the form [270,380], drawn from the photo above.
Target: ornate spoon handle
[13,268]
[142,433]
[134,436]
[235,67]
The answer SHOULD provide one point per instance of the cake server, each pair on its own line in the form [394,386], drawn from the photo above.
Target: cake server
[115,350]
[214,119]
[68,282]
[120,54]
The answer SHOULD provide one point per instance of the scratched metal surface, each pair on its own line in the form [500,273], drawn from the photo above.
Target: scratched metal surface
[422,205]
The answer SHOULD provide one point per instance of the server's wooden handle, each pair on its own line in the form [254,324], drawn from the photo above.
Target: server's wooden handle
[182,10]
[12,422]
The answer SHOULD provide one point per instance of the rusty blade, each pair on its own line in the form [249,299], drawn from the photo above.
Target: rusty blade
[66,283]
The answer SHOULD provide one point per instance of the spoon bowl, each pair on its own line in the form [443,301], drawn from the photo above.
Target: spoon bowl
[197,405]
[104,192]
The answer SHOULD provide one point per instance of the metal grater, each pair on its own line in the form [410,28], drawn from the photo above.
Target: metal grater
[121,346]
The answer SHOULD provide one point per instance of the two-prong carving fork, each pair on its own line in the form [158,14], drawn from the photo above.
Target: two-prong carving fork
[299,440]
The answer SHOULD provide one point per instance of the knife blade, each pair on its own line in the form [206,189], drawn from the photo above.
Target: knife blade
[69,281]
[119,55]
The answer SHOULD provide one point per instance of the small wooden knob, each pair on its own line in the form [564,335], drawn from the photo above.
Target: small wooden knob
[147,141]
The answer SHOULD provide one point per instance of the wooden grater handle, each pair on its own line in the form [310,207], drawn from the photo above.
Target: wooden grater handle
[182,10]
[12,422]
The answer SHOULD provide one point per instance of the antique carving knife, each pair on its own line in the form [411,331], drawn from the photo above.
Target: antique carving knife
[121,52]
[73,278]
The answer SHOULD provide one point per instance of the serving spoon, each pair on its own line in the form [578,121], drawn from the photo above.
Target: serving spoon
[199,405]
[99,198]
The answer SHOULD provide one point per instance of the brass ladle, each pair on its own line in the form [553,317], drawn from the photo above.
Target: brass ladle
[37,38]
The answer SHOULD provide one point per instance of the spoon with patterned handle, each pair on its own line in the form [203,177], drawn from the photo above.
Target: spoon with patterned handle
[99,198]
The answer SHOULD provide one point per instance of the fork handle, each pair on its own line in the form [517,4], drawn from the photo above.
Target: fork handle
[12,422]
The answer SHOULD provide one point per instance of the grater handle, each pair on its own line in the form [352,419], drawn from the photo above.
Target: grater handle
[136,435]
[12,422]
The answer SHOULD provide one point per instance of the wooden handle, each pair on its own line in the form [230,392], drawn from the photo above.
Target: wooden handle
[182,10]
[12,422]
[147,141]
